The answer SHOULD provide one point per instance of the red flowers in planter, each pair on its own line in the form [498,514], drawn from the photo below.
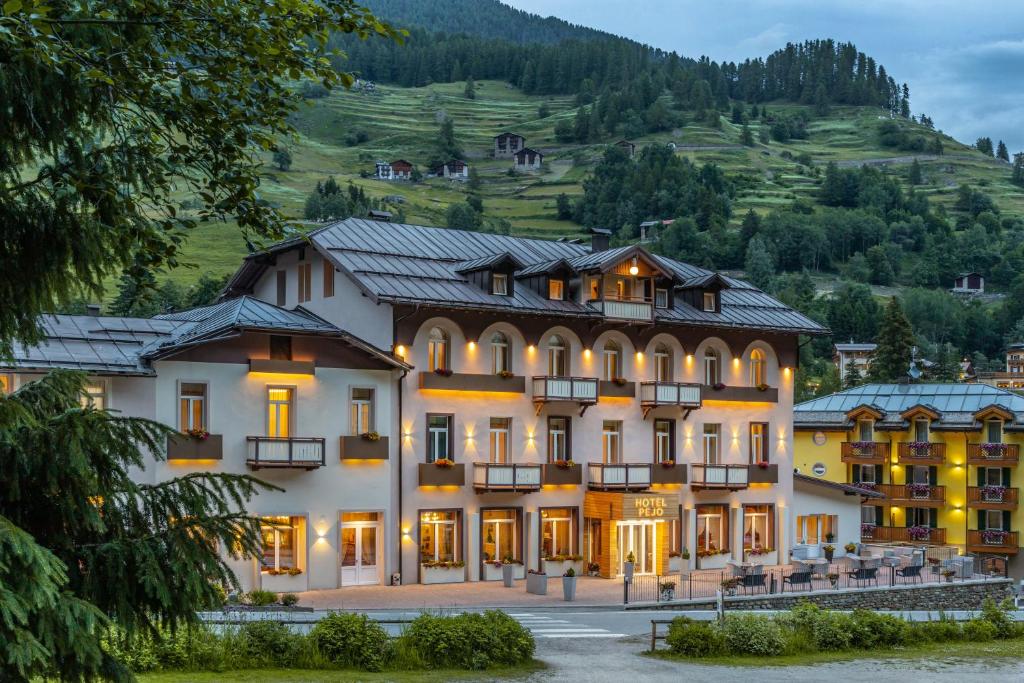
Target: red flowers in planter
[444,372]
[564,464]
[668,464]
[444,462]
[198,434]
[370,436]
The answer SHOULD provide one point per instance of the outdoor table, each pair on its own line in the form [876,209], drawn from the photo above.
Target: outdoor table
[817,566]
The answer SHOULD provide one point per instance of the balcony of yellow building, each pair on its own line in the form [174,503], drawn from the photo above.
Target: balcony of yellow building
[922,452]
[993,541]
[993,454]
[992,497]
[917,495]
[865,452]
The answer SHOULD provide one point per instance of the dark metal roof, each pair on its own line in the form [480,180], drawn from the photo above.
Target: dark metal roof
[848,489]
[487,262]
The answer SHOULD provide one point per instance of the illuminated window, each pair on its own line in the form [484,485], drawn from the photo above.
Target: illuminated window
[6,383]
[499,353]
[758,527]
[758,442]
[557,357]
[712,367]
[283,543]
[362,411]
[612,361]
[439,437]
[95,395]
[595,289]
[499,432]
[662,363]
[813,529]
[499,535]
[279,411]
[192,406]
[558,439]
[557,535]
[663,440]
[438,533]
[712,528]
[556,290]
[611,442]
[437,350]
[710,303]
[499,284]
[712,443]
[758,368]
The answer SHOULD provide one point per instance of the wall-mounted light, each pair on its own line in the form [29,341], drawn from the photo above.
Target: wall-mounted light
[633,269]
[689,358]
[639,355]
[400,351]
[472,345]
[531,348]
[586,353]
[786,371]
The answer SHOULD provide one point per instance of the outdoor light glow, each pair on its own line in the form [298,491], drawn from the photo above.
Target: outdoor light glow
[689,358]
[633,270]
[586,353]
[400,350]
[531,348]
[639,355]
[472,345]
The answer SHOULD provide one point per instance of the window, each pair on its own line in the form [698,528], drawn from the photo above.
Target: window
[611,442]
[280,347]
[556,290]
[664,441]
[439,438]
[758,368]
[994,431]
[866,430]
[712,367]
[711,439]
[279,411]
[994,476]
[328,279]
[712,529]
[438,533]
[499,353]
[595,289]
[282,543]
[95,395]
[437,350]
[191,406]
[675,540]
[282,287]
[362,411]
[921,429]
[993,519]
[558,439]
[928,517]
[871,514]
[499,284]
[557,357]
[758,442]
[813,529]
[500,427]
[500,535]
[557,535]
[305,282]
[661,298]
[867,474]
[758,527]
[710,303]
[612,361]
[662,363]
[6,383]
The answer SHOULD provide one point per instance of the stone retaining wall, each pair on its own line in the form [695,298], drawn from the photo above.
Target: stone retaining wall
[955,596]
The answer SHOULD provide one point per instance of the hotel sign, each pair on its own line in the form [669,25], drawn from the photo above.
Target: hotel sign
[649,506]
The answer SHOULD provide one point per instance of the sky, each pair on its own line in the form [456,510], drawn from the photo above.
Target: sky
[963,60]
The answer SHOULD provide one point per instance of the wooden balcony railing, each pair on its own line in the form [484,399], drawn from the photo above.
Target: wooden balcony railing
[992,497]
[899,534]
[993,453]
[922,452]
[719,476]
[578,389]
[865,452]
[993,541]
[619,477]
[654,394]
[625,309]
[305,453]
[490,476]
[913,494]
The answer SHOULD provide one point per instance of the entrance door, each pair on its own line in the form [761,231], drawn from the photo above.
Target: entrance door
[639,538]
[359,553]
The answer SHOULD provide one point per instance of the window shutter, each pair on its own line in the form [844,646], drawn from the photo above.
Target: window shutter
[981,519]
[1006,520]
[878,474]
[933,475]
[878,515]
[855,473]
[933,518]
[980,473]
[1006,477]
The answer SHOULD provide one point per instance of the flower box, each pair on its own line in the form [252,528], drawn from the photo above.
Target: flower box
[559,567]
[920,491]
[562,474]
[185,447]
[494,572]
[766,557]
[431,574]
[994,536]
[362,448]
[716,561]
[432,474]
[992,493]
[675,564]
[284,582]
[537,583]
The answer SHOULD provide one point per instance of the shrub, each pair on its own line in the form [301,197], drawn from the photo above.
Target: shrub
[940,631]
[871,629]
[268,643]
[258,598]
[469,641]
[979,630]
[289,599]
[998,616]
[352,640]
[753,634]
[694,638]
[832,632]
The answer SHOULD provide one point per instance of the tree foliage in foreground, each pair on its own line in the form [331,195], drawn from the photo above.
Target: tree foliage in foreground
[83,544]
[110,107]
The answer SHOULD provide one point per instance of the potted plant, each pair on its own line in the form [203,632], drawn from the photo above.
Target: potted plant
[628,566]
[564,464]
[685,554]
[762,387]
[555,565]
[506,374]
[593,569]
[830,537]
[198,434]
[919,449]
[992,450]
[851,548]
[668,590]
[830,551]
[718,386]
[508,570]
[443,571]
[675,561]
[730,585]
[994,536]
[919,533]
[444,462]
[370,436]
[920,491]
[992,493]
[833,578]
[569,585]
[619,381]
[948,574]
[443,372]
[536,582]
[668,464]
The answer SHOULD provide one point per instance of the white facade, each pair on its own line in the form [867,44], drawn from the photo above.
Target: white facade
[820,508]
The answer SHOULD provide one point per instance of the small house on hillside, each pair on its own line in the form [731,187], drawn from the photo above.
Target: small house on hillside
[455,169]
[628,146]
[527,159]
[651,230]
[400,169]
[378,215]
[969,283]
[507,144]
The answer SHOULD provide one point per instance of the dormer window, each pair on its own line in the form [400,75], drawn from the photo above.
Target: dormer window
[866,430]
[710,302]
[994,431]
[661,298]
[921,429]
[556,290]
[499,284]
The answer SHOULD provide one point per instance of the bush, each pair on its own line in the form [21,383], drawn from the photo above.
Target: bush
[289,599]
[469,641]
[943,630]
[352,640]
[694,638]
[268,643]
[998,616]
[258,598]
[832,632]
[871,629]
[753,634]
[979,630]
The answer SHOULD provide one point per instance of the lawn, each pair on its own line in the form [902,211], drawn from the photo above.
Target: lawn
[312,676]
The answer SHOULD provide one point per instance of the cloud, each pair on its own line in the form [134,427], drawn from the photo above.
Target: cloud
[772,38]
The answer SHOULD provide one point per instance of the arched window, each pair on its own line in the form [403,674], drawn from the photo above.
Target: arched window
[662,363]
[437,350]
[499,353]
[758,368]
[612,361]
[712,367]
[557,357]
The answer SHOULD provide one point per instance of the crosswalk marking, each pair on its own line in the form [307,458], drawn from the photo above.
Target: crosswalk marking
[546,627]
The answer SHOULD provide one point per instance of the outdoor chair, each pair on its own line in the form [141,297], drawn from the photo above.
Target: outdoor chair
[800,578]
[737,571]
[754,579]
[912,572]
[864,575]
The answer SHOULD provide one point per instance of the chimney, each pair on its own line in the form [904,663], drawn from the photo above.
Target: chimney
[600,239]
[93,310]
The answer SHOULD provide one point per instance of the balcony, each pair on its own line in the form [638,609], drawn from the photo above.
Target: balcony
[996,454]
[438,475]
[185,447]
[553,474]
[922,452]
[464,381]
[285,452]
[726,477]
[625,309]
[992,497]
[993,541]
[658,394]
[363,448]
[581,390]
[739,394]
[918,495]
[489,477]
[618,477]
[865,452]
[663,473]
[899,534]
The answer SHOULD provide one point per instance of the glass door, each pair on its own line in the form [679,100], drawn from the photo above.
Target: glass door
[639,538]
[359,551]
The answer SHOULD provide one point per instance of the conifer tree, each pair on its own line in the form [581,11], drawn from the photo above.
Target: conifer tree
[282,158]
[746,137]
[1002,153]
[891,359]
[914,177]
[851,375]
[470,90]
[1017,177]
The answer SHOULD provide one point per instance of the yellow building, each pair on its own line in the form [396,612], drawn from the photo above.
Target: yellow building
[945,457]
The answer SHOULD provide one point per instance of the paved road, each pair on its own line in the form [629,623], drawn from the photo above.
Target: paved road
[556,625]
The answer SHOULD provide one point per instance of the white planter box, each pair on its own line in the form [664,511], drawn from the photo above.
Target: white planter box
[430,575]
[537,584]
[675,564]
[284,583]
[559,568]
[492,573]
[713,561]
[767,558]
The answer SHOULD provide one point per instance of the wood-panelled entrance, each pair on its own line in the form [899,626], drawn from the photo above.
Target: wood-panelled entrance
[616,523]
